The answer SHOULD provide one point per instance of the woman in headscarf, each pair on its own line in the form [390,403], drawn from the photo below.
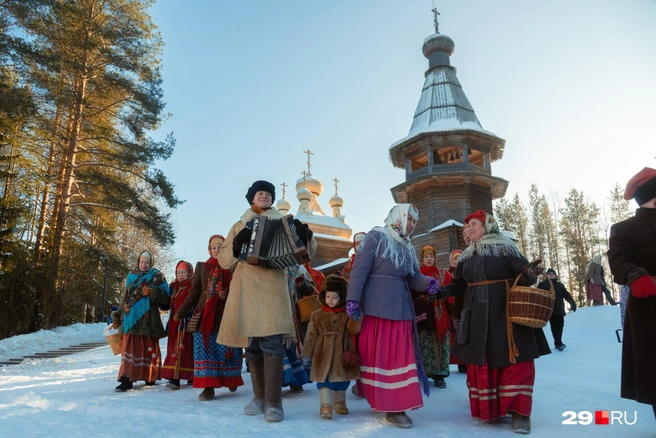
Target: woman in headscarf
[379,292]
[139,320]
[215,365]
[499,354]
[455,305]
[593,282]
[179,362]
[433,321]
[348,267]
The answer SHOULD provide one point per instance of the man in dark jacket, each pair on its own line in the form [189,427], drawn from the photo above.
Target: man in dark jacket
[632,260]
[557,320]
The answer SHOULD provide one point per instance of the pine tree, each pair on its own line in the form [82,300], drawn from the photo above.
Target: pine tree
[619,208]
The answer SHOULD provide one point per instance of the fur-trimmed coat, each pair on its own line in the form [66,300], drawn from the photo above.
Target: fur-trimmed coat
[258,304]
[324,344]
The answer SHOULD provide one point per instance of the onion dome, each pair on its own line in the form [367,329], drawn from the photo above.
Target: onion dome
[313,185]
[303,194]
[283,205]
[336,201]
[437,48]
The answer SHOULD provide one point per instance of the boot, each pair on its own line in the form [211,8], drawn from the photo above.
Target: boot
[462,368]
[206,395]
[273,389]
[232,388]
[173,384]
[125,384]
[399,419]
[256,406]
[520,423]
[295,389]
[326,401]
[439,382]
[340,402]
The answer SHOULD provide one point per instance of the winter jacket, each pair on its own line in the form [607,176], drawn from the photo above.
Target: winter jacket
[561,294]
[198,295]
[259,303]
[379,286]
[151,323]
[324,343]
[482,332]
[631,254]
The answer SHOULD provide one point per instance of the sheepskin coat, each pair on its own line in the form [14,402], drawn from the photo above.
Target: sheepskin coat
[324,343]
[258,304]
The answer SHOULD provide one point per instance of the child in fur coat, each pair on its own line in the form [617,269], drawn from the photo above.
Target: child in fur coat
[324,347]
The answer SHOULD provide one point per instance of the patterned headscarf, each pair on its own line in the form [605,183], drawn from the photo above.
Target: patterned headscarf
[493,243]
[394,232]
[146,255]
[396,222]
[185,264]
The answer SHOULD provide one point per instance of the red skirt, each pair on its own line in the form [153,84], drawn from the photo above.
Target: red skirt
[493,393]
[389,378]
[141,358]
[179,362]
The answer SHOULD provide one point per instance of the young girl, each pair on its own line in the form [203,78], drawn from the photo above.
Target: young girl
[433,321]
[179,362]
[324,347]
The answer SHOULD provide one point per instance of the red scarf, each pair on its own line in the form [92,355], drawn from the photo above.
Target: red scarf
[333,309]
[211,263]
[214,285]
[180,290]
[442,320]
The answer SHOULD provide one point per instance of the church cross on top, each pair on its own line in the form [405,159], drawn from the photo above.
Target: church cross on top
[308,152]
[284,186]
[304,180]
[336,181]
[435,14]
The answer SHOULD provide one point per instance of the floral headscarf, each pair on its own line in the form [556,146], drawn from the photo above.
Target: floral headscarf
[396,222]
[396,245]
[493,243]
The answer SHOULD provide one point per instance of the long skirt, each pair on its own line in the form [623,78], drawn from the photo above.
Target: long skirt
[293,371]
[217,365]
[179,361]
[141,358]
[435,353]
[594,293]
[389,378]
[493,393]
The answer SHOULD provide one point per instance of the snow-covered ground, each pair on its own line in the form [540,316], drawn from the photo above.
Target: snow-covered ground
[74,395]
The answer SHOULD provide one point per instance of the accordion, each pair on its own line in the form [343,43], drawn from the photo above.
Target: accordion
[274,243]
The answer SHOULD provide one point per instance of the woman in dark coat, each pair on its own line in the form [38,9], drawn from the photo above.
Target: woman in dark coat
[632,259]
[215,365]
[137,317]
[500,363]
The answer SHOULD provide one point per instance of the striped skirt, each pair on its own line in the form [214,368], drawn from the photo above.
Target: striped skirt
[179,361]
[141,358]
[493,393]
[389,378]
[293,371]
[216,366]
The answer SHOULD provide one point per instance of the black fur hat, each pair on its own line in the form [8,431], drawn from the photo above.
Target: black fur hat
[261,186]
[334,283]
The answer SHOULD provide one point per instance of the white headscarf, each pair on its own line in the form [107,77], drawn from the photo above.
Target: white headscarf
[397,241]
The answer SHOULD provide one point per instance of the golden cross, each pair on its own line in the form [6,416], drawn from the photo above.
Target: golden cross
[304,175]
[336,181]
[308,152]
[284,186]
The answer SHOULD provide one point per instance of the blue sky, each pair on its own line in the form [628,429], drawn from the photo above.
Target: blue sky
[568,84]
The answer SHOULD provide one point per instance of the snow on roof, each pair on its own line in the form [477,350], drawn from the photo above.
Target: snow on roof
[448,223]
[319,219]
[332,264]
[328,236]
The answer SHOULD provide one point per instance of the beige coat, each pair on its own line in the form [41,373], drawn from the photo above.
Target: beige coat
[324,343]
[258,304]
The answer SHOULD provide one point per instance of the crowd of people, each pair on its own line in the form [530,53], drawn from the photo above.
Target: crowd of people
[390,320]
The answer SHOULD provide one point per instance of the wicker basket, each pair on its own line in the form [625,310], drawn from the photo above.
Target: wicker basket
[530,306]
[115,343]
[306,306]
